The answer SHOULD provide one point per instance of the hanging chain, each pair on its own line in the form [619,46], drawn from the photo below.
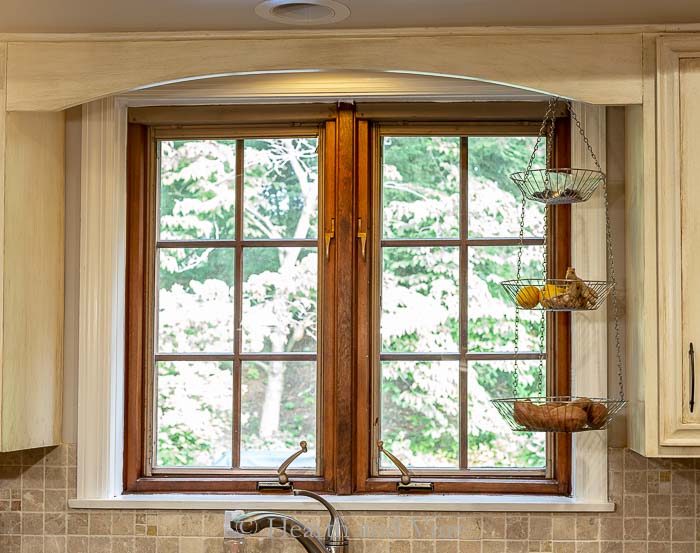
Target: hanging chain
[609,253]
[516,371]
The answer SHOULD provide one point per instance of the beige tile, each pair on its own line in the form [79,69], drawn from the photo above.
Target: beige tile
[33,524]
[100,524]
[33,478]
[446,546]
[447,527]
[683,529]
[563,547]
[423,527]
[10,544]
[77,523]
[123,544]
[168,545]
[611,529]
[144,545]
[77,544]
[100,544]
[55,523]
[11,459]
[493,546]
[55,457]
[683,482]
[517,546]
[683,548]
[31,457]
[400,546]
[212,545]
[10,523]
[659,505]
[32,544]
[615,459]
[659,529]
[169,524]
[635,482]
[634,461]
[540,527]
[213,524]
[123,524]
[634,547]
[472,546]
[659,547]
[587,547]
[470,527]
[682,506]
[33,500]
[191,545]
[494,526]
[611,547]
[635,529]
[191,524]
[55,500]
[563,528]
[71,454]
[587,527]
[517,527]
[635,505]
[55,478]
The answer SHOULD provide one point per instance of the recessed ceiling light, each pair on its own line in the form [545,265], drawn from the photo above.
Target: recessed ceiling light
[303,12]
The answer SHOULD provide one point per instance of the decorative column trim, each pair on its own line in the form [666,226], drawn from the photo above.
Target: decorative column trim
[102,297]
[589,334]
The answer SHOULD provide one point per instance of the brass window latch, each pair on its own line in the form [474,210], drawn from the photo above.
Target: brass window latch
[283,484]
[405,485]
[329,236]
[363,238]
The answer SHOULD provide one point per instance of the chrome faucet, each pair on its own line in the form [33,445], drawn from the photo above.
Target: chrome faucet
[335,540]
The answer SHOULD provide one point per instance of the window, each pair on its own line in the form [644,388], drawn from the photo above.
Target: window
[335,280]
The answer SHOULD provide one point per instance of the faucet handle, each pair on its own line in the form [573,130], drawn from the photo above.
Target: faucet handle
[337,531]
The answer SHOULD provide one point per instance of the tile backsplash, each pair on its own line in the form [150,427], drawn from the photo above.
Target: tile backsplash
[657,511]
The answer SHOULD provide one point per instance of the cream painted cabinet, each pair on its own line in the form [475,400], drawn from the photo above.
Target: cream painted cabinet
[31,278]
[664,257]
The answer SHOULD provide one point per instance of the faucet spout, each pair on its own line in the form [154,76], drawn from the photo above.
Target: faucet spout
[253,523]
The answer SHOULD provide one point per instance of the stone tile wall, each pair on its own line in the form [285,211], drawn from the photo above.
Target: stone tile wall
[657,512]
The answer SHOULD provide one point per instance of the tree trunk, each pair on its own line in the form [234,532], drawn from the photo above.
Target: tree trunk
[270,415]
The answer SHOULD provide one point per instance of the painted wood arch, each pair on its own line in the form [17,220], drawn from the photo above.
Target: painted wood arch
[594,68]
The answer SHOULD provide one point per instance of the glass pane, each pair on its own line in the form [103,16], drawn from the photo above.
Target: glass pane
[494,200]
[420,186]
[281,188]
[420,413]
[491,441]
[420,300]
[195,300]
[197,189]
[491,325]
[194,414]
[278,410]
[279,299]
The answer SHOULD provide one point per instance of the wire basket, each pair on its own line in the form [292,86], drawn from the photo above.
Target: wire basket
[558,186]
[558,413]
[557,294]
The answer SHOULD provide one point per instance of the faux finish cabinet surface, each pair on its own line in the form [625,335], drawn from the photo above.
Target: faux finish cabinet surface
[665,251]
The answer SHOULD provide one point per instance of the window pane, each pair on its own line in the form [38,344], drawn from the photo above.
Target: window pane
[420,186]
[491,325]
[279,299]
[194,414]
[420,413]
[420,299]
[491,441]
[195,300]
[278,411]
[197,189]
[281,188]
[495,201]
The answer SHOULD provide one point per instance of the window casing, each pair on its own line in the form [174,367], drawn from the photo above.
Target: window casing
[348,352]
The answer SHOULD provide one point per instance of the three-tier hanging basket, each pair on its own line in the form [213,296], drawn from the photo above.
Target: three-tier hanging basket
[550,186]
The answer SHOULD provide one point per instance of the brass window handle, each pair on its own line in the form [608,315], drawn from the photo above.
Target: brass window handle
[405,485]
[329,236]
[363,238]
[283,483]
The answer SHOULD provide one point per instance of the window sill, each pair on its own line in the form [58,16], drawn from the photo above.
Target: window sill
[462,503]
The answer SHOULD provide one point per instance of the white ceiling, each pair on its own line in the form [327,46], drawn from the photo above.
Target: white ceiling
[232,15]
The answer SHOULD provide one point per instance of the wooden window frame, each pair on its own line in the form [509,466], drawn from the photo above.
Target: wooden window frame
[346,378]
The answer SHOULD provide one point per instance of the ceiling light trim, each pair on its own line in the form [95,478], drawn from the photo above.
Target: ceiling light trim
[269,9]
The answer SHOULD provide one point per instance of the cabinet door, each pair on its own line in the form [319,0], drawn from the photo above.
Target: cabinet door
[679,259]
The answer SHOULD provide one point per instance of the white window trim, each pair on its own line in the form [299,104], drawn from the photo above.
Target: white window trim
[102,328]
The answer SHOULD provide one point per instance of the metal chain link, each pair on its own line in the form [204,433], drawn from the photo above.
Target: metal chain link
[516,371]
[609,253]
